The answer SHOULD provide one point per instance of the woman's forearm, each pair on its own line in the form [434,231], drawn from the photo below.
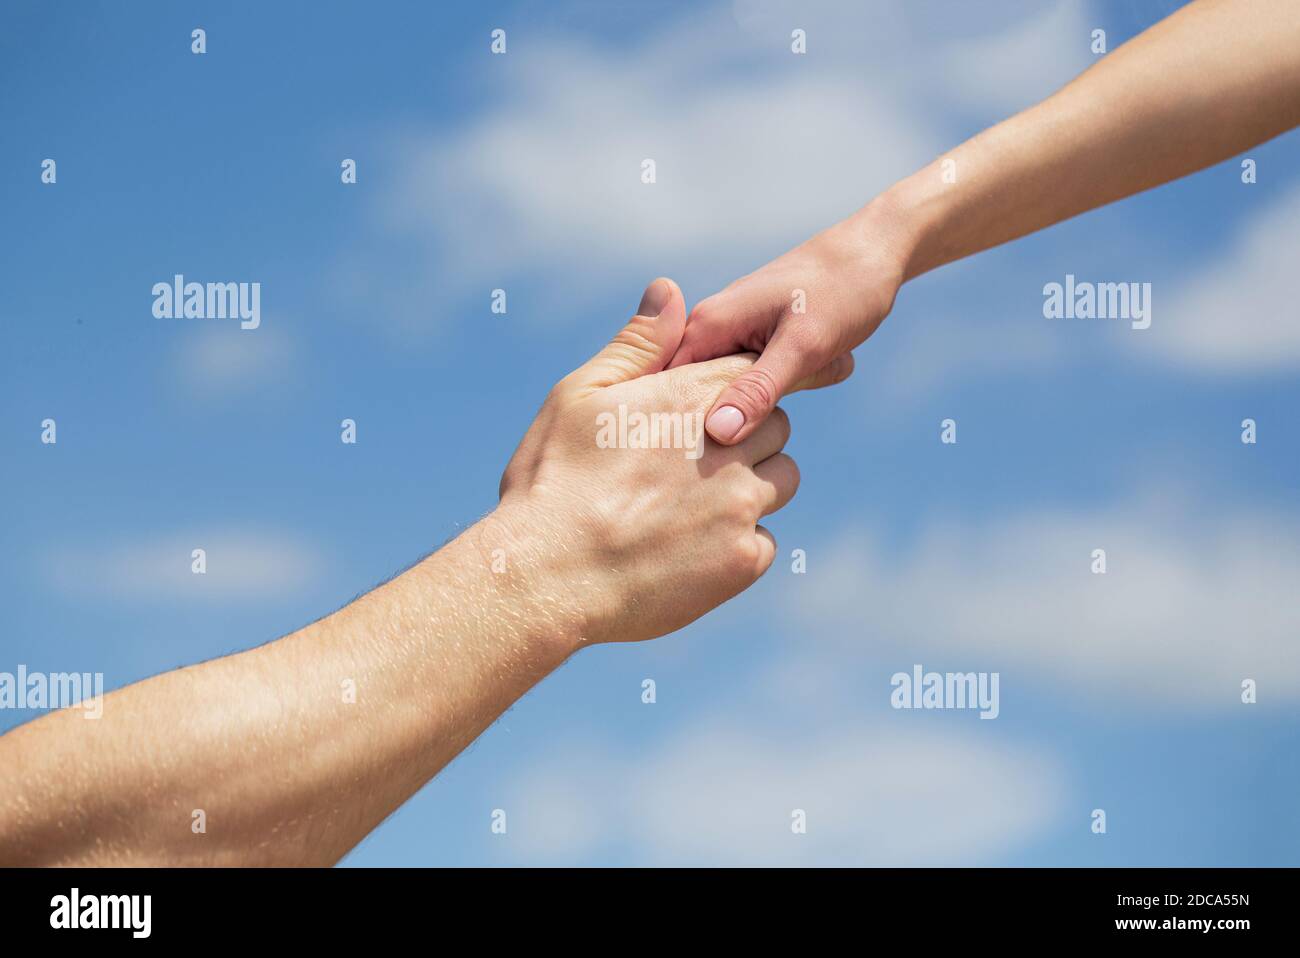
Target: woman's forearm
[1212,80]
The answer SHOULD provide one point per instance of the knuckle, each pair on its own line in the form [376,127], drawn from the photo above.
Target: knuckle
[748,503]
[782,420]
[742,495]
[559,394]
[634,337]
[743,555]
[706,312]
[701,384]
[727,369]
[791,470]
[756,389]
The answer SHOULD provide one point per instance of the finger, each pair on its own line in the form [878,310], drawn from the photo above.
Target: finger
[747,401]
[708,332]
[699,384]
[735,320]
[766,543]
[643,346]
[833,373]
[767,439]
[779,477]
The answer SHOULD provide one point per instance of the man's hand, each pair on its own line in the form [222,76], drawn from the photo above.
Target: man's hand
[292,751]
[645,540]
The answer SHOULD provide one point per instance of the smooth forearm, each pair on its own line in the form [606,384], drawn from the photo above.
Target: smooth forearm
[294,751]
[1212,80]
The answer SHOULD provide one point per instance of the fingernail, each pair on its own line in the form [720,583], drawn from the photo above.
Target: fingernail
[655,299]
[724,423]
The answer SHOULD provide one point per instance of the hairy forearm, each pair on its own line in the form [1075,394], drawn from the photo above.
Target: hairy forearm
[1210,81]
[291,753]
[294,751]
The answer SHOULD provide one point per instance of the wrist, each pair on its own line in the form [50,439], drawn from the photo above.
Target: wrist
[905,220]
[532,577]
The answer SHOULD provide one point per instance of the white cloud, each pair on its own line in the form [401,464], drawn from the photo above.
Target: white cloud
[1029,60]
[230,361]
[241,563]
[554,182]
[756,148]
[1239,312]
[723,795]
[945,350]
[1182,616]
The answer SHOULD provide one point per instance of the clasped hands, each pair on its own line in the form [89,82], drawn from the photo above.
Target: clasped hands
[634,540]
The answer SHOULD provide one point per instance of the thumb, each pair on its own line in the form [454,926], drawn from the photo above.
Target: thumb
[747,401]
[644,345]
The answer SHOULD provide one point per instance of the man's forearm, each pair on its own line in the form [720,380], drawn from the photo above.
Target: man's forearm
[1210,81]
[291,753]
[294,751]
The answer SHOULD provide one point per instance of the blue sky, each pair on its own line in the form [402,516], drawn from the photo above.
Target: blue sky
[520,172]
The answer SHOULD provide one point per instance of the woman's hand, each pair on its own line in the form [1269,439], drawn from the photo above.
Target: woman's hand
[804,312]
